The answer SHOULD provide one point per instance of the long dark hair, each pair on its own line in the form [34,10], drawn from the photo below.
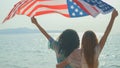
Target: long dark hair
[68,41]
[89,41]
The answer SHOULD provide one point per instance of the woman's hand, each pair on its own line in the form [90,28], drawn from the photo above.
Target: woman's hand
[34,21]
[114,14]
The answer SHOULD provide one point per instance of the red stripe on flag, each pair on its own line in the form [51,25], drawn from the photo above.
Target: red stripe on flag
[50,11]
[53,6]
[95,9]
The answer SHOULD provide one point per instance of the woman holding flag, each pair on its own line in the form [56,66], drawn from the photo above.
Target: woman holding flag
[87,56]
[64,46]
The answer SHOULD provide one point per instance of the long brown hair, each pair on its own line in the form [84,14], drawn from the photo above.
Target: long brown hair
[68,41]
[89,41]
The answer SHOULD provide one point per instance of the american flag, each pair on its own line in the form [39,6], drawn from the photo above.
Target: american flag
[67,8]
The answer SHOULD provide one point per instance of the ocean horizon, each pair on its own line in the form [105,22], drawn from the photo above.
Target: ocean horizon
[25,31]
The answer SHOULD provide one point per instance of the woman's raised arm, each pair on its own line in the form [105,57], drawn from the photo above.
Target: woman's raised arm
[108,29]
[34,21]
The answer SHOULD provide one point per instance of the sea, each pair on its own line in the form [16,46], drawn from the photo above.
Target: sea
[31,51]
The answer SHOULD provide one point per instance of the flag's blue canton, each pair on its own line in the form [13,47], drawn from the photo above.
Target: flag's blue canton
[75,10]
[104,7]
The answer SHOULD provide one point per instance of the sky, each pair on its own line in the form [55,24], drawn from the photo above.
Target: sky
[56,21]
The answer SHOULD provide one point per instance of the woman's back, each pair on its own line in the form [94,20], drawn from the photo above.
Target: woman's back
[83,60]
[80,62]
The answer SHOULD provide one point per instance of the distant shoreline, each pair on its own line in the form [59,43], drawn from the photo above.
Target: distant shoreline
[24,31]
